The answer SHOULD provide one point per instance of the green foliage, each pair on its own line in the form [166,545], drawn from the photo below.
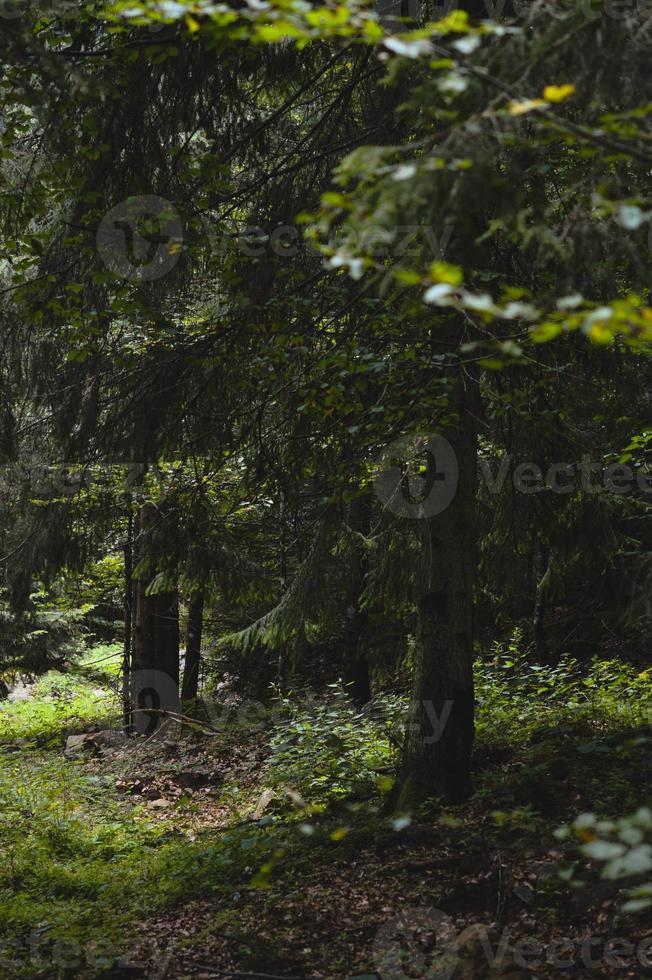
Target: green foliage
[102,581]
[518,699]
[36,640]
[257,388]
[622,848]
[61,703]
[80,865]
[327,750]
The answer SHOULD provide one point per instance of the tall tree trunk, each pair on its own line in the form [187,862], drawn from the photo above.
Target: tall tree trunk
[128,598]
[284,661]
[542,570]
[193,647]
[155,667]
[356,668]
[440,728]
[166,634]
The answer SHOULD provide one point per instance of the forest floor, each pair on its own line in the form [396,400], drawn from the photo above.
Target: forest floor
[262,850]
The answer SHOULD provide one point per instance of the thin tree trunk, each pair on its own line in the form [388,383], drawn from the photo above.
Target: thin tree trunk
[144,656]
[440,728]
[281,669]
[356,669]
[542,570]
[193,647]
[128,597]
[155,663]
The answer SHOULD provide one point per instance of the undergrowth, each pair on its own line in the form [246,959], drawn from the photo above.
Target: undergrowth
[81,865]
[60,702]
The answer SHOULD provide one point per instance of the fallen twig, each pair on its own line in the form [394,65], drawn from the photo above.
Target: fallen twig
[180,719]
[239,973]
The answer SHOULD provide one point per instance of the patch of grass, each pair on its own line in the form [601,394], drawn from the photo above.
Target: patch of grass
[82,865]
[70,703]
[64,701]
[102,661]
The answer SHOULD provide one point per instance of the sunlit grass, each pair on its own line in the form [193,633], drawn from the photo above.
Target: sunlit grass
[82,864]
[65,701]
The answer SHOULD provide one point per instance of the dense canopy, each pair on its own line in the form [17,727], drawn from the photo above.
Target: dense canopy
[325,490]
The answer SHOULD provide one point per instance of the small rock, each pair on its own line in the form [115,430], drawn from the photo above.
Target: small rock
[92,741]
[266,798]
[159,804]
[76,745]
[109,737]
